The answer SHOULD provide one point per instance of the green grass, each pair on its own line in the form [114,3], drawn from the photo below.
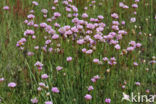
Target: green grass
[73,80]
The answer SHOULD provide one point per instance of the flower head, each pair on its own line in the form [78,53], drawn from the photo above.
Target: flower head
[55,90]
[88,97]
[12,84]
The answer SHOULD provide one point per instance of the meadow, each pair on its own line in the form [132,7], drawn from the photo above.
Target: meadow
[77,51]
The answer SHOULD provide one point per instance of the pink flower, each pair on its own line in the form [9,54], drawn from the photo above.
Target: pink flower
[137,83]
[133,19]
[47,42]
[96,61]
[138,45]
[90,88]
[84,50]
[35,3]
[80,41]
[130,48]
[39,65]
[134,5]
[93,80]
[48,102]
[105,59]
[123,86]
[55,90]
[30,53]
[41,84]
[45,11]
[55,36]
[53,8]
[39,88]
[108,100]
[58,68]
[123,22]
[90,51]
[57,14]
[84,15]
[115,15]
[100,17]
[69,59]
[88,97]
[117,46]
[97,77]
[135,64]
[30,16]
[12,84]
[1,80]
[6,8]
[137,0]
[44,76]
[34,100]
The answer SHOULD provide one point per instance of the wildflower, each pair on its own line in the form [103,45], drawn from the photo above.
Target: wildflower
[39,65]
[47,42]
[105,59]
[58,68]
[84,50]
[108,100]
[130,48]
[43,25]
[84,15]
[90,51]
[69,59]
[12,84]
[90,88]
[55,90]
[123,86]
[115,15]
[36,25]
[39,88]
[93,80]
[137,0]
[34,100]
[44,76]
[30,16]
[45,11]
[57,14]
[30,53]
[55,36]
[80,41]
[134,5]
[21,42]
[6,8]
[117,46]
[35,3]
[1,79]
[36,47]
[133,19]
[137,83]
[88,97]
[135,64]
[33,37]
[121,4]
[41,84]
[53,8]
[123,22]
[48,102]
[147,91]
[50,49]
[138,45]
[28,32]
[100,17]
[95,60]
